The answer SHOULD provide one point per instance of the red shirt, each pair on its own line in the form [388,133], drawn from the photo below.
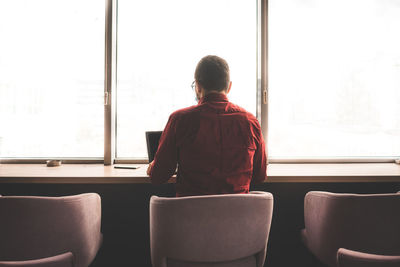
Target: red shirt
[217,145]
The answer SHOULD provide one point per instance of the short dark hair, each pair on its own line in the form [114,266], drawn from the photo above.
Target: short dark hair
[212,73]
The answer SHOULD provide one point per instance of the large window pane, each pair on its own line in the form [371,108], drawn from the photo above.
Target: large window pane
[159,45]
[51,78]
[334,78]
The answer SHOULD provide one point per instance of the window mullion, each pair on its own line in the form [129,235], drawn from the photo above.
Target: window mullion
[264,69]
[110,83]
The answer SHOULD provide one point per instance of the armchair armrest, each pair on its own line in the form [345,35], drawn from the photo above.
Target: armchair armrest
[62,260]
[350,258]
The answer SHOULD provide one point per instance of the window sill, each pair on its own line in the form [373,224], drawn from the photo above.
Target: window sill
[277,173]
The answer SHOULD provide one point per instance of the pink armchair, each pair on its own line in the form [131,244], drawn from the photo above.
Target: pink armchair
[216,230]
[366,223]
[37,230]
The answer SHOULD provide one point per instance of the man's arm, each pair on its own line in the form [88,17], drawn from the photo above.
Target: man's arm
[260,157]
[166,158]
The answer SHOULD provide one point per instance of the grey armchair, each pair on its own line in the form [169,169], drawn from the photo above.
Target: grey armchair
[215,230]
[36,230]
[367,223]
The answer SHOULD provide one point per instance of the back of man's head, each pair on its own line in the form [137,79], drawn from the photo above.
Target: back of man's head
[212,73]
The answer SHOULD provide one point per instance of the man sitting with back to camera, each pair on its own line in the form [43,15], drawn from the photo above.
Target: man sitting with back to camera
[217,145]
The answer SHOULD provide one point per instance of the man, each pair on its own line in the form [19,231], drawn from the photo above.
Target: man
[217,145]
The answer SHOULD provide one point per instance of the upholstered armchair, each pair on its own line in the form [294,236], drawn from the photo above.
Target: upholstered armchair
[215,230]
[367,223]
[50,231]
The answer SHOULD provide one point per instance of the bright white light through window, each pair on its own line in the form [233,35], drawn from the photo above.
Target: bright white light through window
[51,78]
[334,78]
[159,45]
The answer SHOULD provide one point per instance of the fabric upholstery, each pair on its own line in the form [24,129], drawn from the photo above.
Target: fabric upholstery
[365,223]
[210,230]
[39,227]
[63,260]
[248,261]
[349,258]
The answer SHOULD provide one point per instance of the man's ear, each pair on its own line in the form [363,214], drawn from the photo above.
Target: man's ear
[198,88]
[229,87]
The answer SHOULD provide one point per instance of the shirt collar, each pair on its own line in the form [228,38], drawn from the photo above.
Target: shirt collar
[214,97]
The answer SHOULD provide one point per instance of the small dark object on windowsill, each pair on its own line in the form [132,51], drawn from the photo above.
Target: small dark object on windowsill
[53,163]
[126,167]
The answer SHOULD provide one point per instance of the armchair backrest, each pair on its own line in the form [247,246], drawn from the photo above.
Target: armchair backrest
[367,223]
[210,229]
[40,227]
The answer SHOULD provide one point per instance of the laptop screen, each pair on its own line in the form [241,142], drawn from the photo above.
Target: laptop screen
[152,139]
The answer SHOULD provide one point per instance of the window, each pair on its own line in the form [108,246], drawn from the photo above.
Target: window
[334,78]
[333,73]
[159,45]
[51,78]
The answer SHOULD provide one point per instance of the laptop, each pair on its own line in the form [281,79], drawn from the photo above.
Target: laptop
[152,139]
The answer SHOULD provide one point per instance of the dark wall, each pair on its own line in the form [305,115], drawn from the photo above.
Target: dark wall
[125,217]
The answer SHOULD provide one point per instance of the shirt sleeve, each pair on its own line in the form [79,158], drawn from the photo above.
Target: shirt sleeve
[260,157]
[166,157]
